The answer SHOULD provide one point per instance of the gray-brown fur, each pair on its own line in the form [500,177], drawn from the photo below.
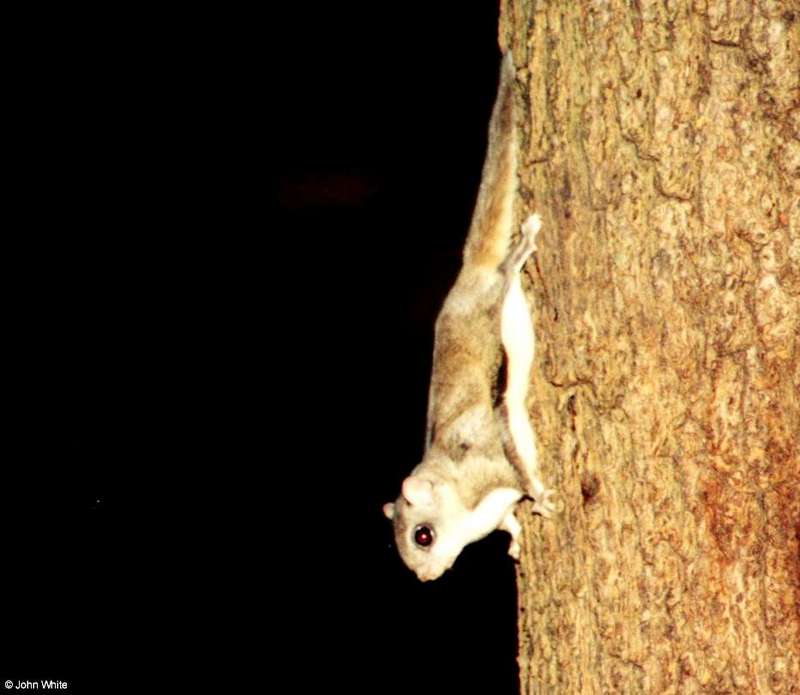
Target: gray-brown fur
[467,349]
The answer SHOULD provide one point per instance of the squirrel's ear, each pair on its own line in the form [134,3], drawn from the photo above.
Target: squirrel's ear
[388,510]
[418,491]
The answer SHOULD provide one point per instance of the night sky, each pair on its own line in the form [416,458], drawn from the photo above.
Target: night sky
[206,398]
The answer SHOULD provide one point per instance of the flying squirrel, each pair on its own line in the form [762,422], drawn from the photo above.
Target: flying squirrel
[480,459]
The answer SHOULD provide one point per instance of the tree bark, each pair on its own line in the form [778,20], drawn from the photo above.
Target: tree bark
[662,148]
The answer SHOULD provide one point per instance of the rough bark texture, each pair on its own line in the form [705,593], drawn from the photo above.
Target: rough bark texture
[662,149]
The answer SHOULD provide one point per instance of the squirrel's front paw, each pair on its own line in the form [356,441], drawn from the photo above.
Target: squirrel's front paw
[511,525]
[545,504]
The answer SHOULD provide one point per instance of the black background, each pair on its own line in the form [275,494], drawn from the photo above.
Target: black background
[380,151]
[237,234]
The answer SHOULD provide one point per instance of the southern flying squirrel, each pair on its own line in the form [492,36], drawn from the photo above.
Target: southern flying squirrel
[479,460]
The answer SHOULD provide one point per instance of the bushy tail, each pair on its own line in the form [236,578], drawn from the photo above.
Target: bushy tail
[492,221]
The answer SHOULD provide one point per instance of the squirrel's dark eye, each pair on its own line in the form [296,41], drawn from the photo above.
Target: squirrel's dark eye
[423,536]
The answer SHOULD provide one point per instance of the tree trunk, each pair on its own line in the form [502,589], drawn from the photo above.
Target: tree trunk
[662,148]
